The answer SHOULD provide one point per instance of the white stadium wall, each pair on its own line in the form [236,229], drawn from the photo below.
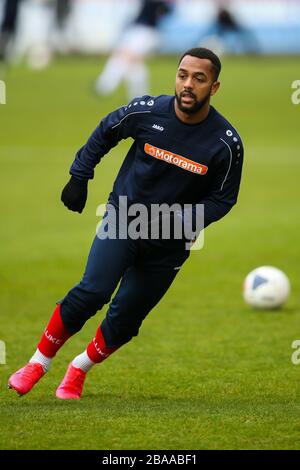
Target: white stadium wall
[94,26]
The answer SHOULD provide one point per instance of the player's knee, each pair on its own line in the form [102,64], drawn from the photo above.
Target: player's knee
[92,293]
[79,305]
[118,332]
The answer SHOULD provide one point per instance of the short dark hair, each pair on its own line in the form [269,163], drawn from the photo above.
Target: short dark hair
[203,53]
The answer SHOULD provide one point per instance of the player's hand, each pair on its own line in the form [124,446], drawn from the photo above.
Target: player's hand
[74,194]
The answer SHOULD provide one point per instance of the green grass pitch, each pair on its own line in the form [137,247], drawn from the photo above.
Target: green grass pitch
[206,371]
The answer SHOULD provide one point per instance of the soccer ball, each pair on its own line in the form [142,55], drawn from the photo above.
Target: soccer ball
[266,287]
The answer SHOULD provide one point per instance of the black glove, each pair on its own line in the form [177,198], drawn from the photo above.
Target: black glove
[74,194]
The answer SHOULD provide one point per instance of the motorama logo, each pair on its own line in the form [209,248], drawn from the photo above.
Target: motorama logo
[178,160]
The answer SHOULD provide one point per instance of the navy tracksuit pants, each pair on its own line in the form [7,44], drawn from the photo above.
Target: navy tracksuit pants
[145,270]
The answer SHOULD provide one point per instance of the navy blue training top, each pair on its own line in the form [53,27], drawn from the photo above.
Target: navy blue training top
[169,161]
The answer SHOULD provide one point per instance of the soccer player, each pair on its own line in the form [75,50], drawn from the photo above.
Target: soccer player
[184,151]
[235,37]
[127,62]
[8,26]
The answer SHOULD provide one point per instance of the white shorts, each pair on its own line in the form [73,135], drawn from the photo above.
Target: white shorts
[140,40]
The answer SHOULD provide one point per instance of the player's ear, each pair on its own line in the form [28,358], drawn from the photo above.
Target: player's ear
[214,88]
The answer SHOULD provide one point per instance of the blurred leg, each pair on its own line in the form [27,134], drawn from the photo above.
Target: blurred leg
[137,78]
[114,72]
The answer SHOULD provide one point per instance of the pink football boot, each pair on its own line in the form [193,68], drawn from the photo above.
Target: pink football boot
[24,379]
[72,384]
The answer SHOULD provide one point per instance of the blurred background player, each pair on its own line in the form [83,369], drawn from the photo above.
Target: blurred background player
[62,8]
[62,12]
[38,28]
[8,25]
[127,61]
[229,35]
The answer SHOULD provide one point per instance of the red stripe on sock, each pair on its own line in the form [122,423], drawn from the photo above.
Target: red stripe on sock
[97,349]
[54,336]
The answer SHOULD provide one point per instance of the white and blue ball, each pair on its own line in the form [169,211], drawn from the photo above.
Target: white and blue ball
[266,287]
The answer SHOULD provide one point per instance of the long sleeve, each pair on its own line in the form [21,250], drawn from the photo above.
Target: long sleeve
[113,128]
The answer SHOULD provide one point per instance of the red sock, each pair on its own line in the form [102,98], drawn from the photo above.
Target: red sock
[97,349]
[54,336]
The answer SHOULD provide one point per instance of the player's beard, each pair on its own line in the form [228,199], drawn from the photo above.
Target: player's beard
[196,107]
